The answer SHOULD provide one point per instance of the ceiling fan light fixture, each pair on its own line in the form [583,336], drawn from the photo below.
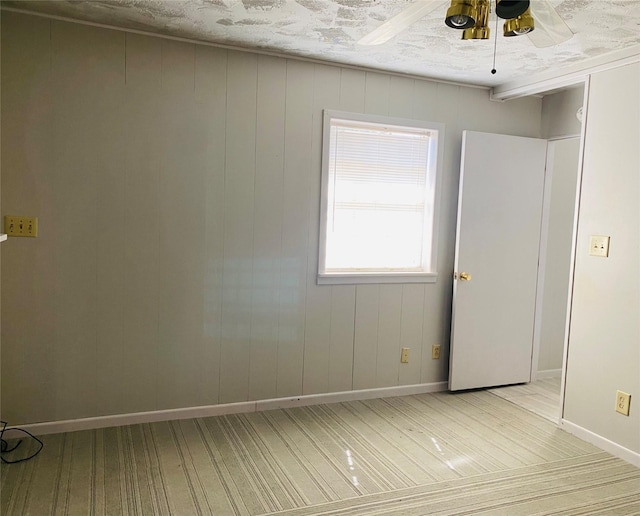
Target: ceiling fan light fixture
[519,26]
[476,33]
[508,9]
[481,29]
[461,14]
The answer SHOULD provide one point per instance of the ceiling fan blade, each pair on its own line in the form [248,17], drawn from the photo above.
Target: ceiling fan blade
[400,22]
[550,27]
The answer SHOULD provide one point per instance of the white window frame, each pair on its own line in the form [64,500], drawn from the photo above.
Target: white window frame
[352,277]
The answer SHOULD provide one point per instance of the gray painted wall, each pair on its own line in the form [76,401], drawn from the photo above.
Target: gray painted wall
[559,113]
[177,187]
[604,346]
[562,176]
[559,121]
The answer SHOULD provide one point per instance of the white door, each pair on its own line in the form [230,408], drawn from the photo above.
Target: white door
[496,262]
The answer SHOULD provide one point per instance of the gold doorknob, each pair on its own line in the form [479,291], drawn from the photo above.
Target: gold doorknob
[465,276]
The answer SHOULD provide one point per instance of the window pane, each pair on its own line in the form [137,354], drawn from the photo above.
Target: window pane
[376,239]
[379,197]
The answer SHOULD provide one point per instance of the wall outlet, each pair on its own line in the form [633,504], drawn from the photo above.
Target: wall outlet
[599,245]
[404,356]
[435,351]
[623,400]
[21,226]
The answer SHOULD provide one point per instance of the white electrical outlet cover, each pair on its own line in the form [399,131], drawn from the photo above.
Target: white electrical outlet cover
[599,245]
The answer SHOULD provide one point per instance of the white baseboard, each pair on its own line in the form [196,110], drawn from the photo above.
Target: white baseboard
[134,418]
[601,442]
[550,373]
[91,423]
[363,394]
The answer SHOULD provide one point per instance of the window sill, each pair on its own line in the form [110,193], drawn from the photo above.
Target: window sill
[373,278]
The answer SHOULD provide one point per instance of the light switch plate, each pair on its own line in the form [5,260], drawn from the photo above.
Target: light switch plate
[15,225]
[599,245]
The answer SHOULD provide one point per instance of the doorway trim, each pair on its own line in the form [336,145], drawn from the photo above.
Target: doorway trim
[542,257]
[584,81]
[574,245]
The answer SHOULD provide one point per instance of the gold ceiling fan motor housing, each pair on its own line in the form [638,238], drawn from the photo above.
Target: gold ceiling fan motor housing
[481,29]
[523,24]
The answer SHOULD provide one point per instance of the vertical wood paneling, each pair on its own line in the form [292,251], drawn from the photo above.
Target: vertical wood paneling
[343,297]
[406,100]
[178,69]
[75,254]
[376,100]
[352,90]
[389,324]
[411,332]
[182,201]
[426,105]
[317,339]
[362,97]
[402,103]
[317,348]
[365,347]
[402,99]
[211,96]
[141,273]
[267,239]
[87,71]
[111,220]
[178,196]
[436,330]
[343,306]
[436,325]
[295,228]
[414,99]
[366,339]
[242,74]
[26,268]
[143,66]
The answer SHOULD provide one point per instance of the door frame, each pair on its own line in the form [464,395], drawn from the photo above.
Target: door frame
[542,253]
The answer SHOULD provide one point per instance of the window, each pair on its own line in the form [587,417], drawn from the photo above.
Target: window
[378,199]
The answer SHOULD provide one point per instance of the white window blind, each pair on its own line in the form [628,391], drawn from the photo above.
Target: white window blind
[380,190]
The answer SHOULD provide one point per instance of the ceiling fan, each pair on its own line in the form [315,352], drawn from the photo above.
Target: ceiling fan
[536,18]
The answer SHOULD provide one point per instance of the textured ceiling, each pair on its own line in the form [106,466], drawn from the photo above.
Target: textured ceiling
[329,30]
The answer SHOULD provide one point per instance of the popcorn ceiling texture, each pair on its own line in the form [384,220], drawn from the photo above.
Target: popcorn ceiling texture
[329,30]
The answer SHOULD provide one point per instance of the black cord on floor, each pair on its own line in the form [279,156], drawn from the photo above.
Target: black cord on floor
[4,445]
